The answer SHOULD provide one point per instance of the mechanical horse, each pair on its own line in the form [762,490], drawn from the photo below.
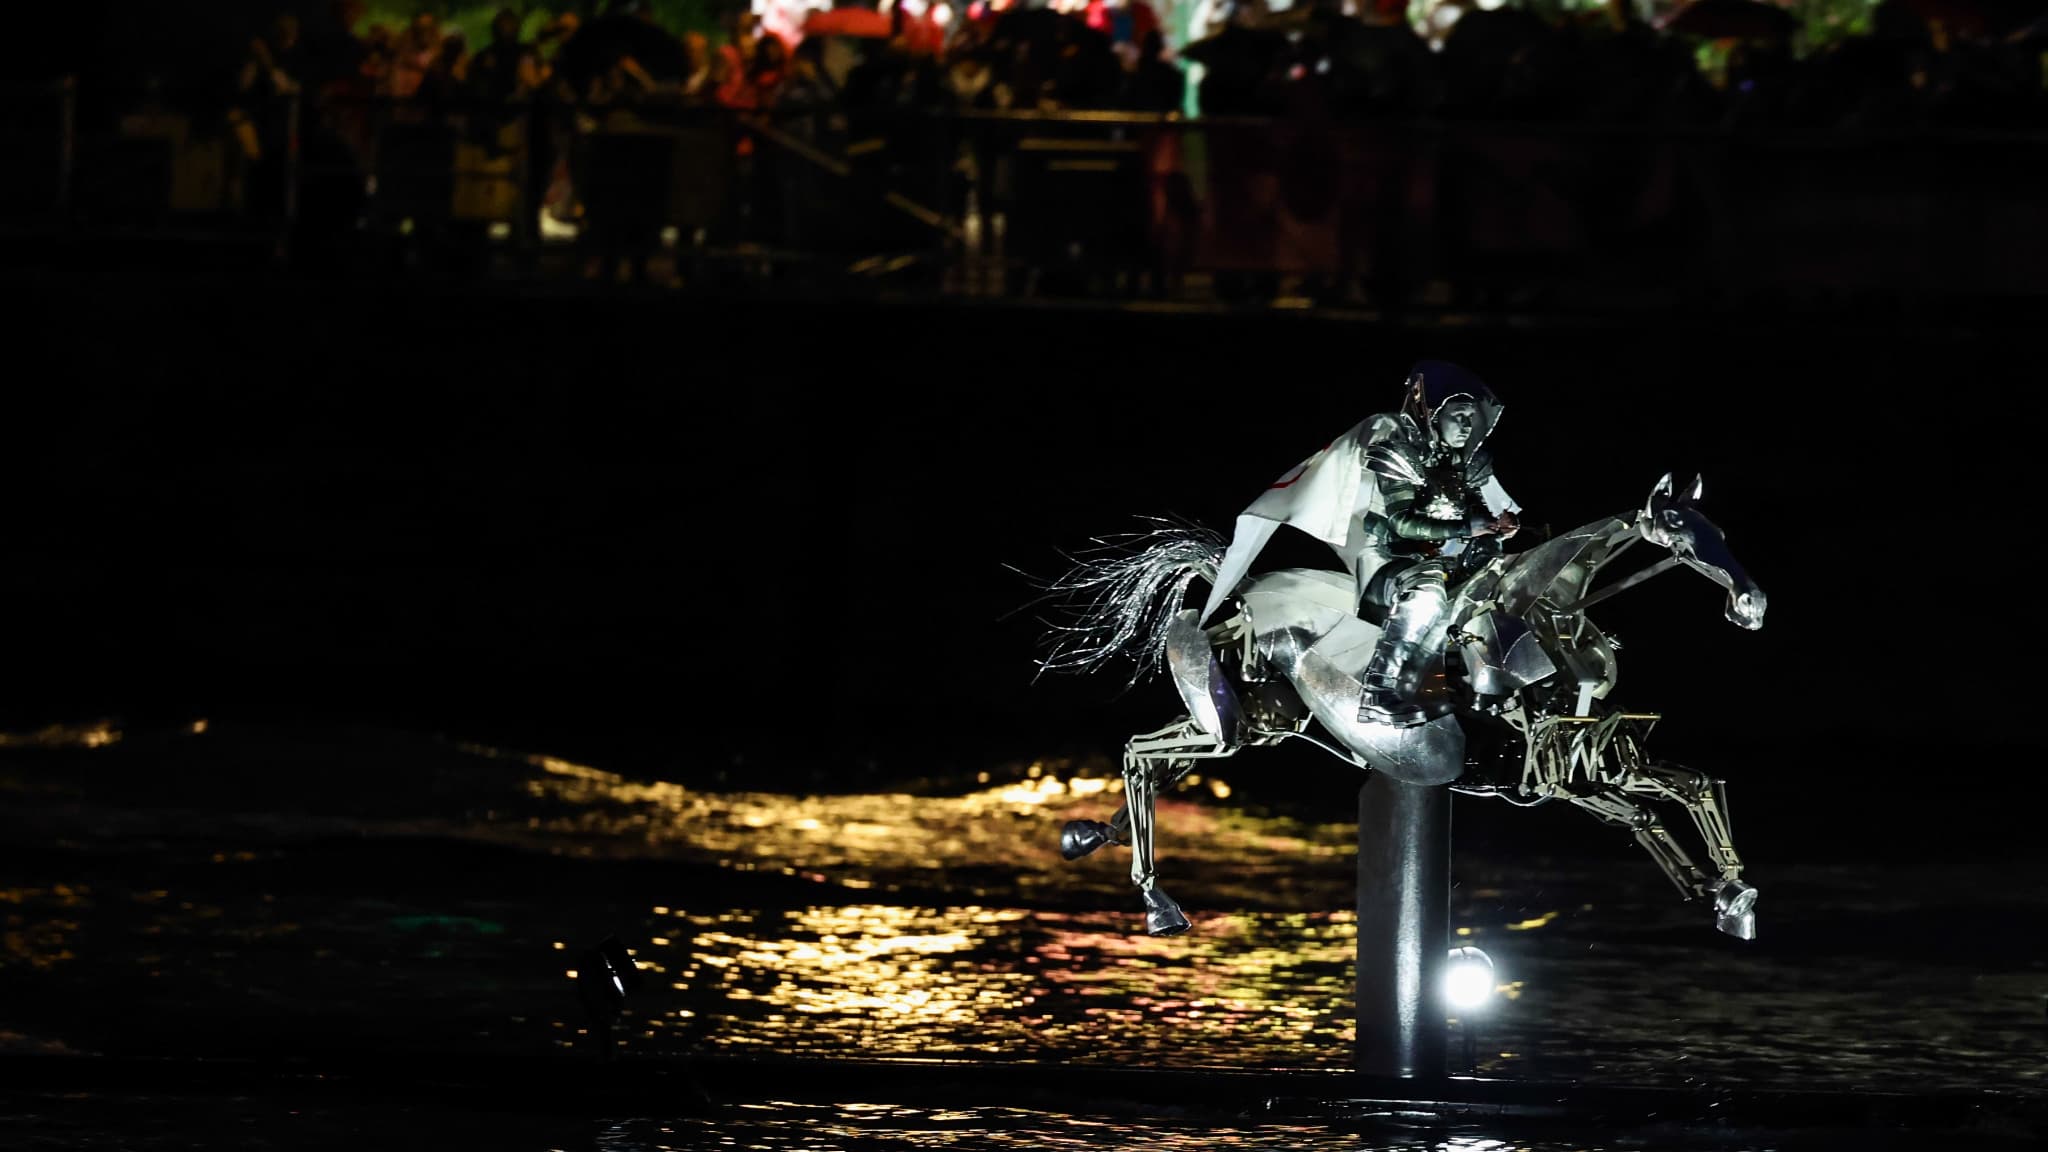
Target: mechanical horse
[1525,672]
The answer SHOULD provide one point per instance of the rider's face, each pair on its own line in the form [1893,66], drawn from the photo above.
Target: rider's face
[1455,422]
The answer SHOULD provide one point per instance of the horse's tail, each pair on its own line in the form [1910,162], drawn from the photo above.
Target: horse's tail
[1120,595]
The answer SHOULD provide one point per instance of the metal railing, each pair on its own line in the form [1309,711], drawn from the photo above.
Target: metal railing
[1105,201]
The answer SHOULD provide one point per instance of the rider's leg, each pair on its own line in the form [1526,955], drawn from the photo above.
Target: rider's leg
[1413,633]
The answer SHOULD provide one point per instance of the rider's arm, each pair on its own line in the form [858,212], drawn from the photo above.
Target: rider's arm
[1409,524]
[1480,476]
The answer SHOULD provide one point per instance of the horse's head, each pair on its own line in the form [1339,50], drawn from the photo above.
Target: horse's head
[1674,522]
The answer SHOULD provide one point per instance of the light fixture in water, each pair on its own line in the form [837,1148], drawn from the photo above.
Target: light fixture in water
[1468,979]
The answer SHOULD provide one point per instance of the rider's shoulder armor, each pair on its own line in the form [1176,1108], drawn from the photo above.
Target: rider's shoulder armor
[1479,469]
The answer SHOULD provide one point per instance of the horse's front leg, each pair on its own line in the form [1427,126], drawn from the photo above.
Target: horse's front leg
[1613,808]
[1706,801]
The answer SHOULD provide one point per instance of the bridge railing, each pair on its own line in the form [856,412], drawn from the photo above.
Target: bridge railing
[1088,201]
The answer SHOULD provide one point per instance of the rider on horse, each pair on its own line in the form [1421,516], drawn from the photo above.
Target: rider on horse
[1443,516]
[1409,501]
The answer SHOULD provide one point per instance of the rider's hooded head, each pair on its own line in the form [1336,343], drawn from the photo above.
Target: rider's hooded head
[1435,383]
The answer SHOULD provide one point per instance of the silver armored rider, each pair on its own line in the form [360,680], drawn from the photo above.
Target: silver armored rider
[1443,518]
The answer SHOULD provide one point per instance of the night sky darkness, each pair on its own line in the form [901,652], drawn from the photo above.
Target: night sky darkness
[769,541]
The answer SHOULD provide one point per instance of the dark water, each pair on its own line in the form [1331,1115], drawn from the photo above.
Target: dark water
[150,1124]
[240,892]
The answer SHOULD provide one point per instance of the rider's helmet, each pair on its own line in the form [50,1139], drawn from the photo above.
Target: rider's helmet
[1434,383]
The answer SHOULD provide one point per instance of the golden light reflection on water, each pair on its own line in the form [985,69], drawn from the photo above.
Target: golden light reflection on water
[97,734]
[883,979]
[1267,975]
[39,926]
[874,976]
[1278,983]
[892,841]
[923,925]
[791,1124]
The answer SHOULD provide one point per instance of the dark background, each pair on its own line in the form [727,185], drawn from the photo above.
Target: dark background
[767,542]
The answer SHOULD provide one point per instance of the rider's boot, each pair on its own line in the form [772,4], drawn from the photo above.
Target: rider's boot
[1389,694]
[1393,679]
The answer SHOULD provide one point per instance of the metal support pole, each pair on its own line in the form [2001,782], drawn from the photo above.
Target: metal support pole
[1404,898]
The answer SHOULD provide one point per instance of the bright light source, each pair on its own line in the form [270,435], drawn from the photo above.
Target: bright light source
[1468,981]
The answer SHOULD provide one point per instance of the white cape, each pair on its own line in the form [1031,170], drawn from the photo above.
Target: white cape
[1327,496]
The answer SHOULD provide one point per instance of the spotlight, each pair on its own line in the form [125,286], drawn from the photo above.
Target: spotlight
[1468,981]
[1468,985]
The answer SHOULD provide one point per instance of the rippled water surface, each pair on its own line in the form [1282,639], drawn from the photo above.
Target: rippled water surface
[242,892]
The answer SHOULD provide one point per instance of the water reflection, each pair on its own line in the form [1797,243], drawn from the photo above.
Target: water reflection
[998,839]
[39,926]
[168,1123]
[794,1125]
[96,734]
[887,980]
[891,924]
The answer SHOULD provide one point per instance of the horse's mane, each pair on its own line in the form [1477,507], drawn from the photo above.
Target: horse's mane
[1560,568]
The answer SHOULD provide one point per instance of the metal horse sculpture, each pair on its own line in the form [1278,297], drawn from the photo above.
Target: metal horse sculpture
[1527,671]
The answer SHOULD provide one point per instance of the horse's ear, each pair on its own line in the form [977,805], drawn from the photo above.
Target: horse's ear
[1692,492]
[1658,495]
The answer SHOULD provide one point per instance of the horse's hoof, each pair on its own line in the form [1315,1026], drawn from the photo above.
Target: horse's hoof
[1080,837]
[1163,917]
[1734,909]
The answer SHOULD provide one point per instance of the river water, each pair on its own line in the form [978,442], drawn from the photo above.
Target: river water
[224,891]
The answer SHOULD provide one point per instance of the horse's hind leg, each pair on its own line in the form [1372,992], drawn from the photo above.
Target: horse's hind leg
[1142,779]
[1153,762]
[1082,837]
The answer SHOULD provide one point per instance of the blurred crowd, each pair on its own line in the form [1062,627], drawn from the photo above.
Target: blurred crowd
[341,122]
[1728,62]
